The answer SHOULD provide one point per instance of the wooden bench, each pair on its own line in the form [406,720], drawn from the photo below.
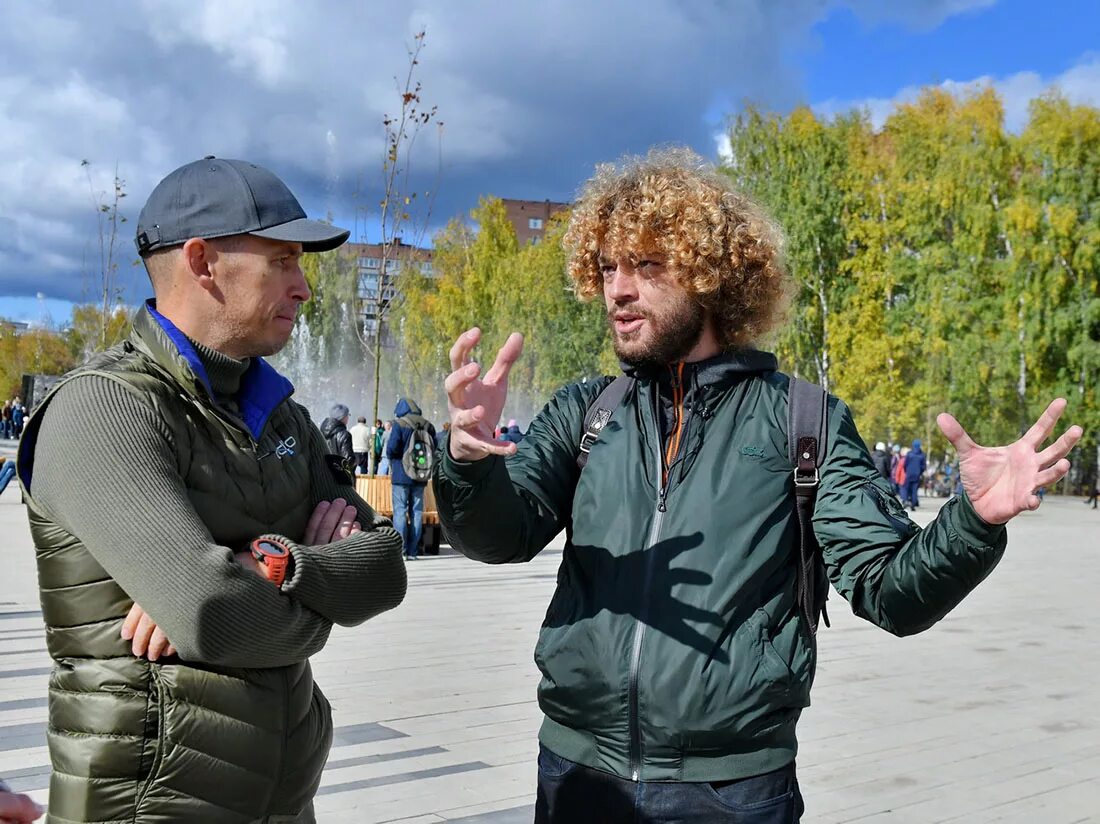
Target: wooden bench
[377,491]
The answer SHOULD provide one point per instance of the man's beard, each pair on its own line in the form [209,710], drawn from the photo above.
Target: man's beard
[673,331]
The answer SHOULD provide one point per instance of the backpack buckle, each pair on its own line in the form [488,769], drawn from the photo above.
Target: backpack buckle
[588,439]
[804,480]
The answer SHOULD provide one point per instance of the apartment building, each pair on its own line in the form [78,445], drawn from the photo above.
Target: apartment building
[529,217]
[368,259]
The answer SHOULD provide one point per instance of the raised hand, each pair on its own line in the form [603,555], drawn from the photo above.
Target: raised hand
[1000,481]
[476,404]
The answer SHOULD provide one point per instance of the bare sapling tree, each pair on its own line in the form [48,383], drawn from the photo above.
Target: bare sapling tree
[108,221]
[402,213]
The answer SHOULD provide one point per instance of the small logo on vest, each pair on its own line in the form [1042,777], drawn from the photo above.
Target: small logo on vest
[285,447]
[753,453]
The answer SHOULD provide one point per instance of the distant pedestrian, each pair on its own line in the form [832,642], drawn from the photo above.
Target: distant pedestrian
[381,436]
[441,436]
[18,415]
[881,459]
[511,432]
[361,445]
[1094,488]
[337,437]
[915,465]
[409,452]
[897,470]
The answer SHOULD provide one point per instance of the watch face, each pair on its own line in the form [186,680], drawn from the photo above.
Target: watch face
[269,548]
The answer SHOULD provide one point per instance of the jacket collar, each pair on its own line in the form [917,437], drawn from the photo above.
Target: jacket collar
[262,388]
[713,374]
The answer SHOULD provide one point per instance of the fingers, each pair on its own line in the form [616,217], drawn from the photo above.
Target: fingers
[455,385]
[347,520]
[953,431]
[313,527]
[460,351]
[131,621]
[18,808]
[1042,428]
[246,559]
[142,635]
[694,577]
[158,644]
[472,448]
[330,522]
[508,354]
[171,650]
[467,418]
[1061,447]
[1048,477]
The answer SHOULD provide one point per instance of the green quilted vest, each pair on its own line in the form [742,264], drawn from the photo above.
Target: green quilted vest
[135,741]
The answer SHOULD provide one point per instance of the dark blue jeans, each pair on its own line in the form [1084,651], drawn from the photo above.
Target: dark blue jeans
[569,793]
[408,514]
[7,472]
[911,489]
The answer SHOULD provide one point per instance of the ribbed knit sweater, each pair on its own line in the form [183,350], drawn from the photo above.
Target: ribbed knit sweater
[106,472]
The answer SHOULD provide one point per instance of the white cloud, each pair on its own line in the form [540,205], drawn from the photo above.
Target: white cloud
[1079,84]
[532,95]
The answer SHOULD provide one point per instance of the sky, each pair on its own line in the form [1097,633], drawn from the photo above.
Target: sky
[531,96]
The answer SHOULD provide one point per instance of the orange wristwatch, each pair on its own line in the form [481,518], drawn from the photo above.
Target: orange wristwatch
[272,557]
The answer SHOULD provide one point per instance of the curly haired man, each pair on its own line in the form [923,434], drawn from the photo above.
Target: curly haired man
[677,653]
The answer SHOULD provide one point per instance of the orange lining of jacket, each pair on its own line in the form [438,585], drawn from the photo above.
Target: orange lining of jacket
[674,438]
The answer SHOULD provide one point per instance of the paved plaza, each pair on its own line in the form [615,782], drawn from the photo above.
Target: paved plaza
[990,716]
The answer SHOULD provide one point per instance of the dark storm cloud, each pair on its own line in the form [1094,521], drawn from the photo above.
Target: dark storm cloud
[532,97]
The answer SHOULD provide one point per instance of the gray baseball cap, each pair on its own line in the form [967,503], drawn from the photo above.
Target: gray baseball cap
[214,197]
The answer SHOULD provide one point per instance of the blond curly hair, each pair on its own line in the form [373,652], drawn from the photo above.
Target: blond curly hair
[720,245]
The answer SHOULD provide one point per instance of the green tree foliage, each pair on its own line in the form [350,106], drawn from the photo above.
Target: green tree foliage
[941,262]
[88,330]
[34,352]
[328,318]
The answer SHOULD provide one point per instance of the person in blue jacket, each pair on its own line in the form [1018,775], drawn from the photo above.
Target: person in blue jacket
[915,465]
[408,493]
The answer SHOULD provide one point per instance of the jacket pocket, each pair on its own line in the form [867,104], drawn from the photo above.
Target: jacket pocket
[889,506]
[190,778]
[156,714]
[756,687]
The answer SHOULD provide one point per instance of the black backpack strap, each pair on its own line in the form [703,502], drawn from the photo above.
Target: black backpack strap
[599,413]
[806,431]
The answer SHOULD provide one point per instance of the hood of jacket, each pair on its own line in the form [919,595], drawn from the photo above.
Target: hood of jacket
[406,407]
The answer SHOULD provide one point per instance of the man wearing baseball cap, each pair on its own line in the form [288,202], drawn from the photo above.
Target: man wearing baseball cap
[199,545]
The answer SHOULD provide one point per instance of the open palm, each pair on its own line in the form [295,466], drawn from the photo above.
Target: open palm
[476,403]
[1000,481]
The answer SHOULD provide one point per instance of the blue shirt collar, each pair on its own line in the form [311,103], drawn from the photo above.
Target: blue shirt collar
[262,389]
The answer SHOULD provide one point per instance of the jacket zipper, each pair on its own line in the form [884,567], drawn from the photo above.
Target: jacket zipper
[639,624]
[639,636]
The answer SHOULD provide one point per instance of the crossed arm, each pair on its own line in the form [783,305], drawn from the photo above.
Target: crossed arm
[120,493]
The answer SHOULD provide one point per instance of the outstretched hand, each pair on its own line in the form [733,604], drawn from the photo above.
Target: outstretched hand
[475,404]
[1000,481]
